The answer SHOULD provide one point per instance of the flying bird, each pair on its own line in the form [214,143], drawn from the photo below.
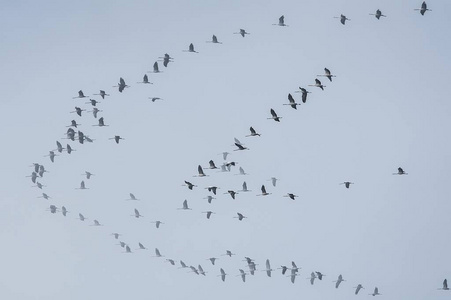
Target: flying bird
[292,102]
[318,84]
[291,196]
[358,288]
[242,32]
[327,74]
[82,186]
[245,187]
[240,216]
[185,205]
[137,214]
[214,40]
[155,98]
[121,85]
[212,165]
[200,171]
[81,217]
[243,275]
[376,292]
[423,8]
[223,274]
[189,185]
[157,223]
[101,123]
[117,138]
[281,21]
[264,192]
[378,14]
[347,184]
[212,189]
[141,247]
[445,285]
[253,132]
[232,193]
[191,49]
[304,94]
[155,68]
[212,260]
[102,94]
[132,197]
[157,253]
[338,281]
[80,95]
[240,147]
[343,19]
[268,268]
[209,198]
[146,78]
[400,172]
[274,116]
[209,213]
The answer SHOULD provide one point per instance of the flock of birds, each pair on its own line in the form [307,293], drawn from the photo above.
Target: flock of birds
[74,134]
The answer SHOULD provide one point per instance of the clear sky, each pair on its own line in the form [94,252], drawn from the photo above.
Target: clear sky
[388,107]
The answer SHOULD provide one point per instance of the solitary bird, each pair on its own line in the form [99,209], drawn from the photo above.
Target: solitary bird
[327,74]
[214,40]
[240,216]
[378,14]
[209,213]
[318,84]
[80,95]
[189,185]
[347,184]
[338,281]
[242,32]
[191,49]
[292,102]
[102,94]
[343,19]
[281,21]
[274,116]
[400,172]
[358,288]
[376,292]
[146,78]
[304,94]
[423,8]
[117,138]
[185,205]
[264,192]
[445,285]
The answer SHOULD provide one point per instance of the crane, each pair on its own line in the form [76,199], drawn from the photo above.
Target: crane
[274,117]
[378,14]
[423,8]
[318,84]
[292,102]
[327,74]
[242,32]
[338,281]
[80,95]
[304,94]
[281,21]
[214,40]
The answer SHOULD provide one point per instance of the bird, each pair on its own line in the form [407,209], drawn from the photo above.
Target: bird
[132,197]
[223,274]
[155,68]
[183,265]
[209,198]
[327,74]
[157,223]
[284,269]
[127,249]
[116,235]
[232,193]
[245,187]
[318,84]
[293,276]
[338,281]
[121,85]
[264,192]
[400,172]
[281,21]
[294,267]
[73,123]
[209,213]
[312,278]
[274,116]
[376,292]
[242,32]
[141,246]
[39,185]
[101,123]
[82,186]
[146,78]
[102,94]
[189,185]
[358,288]
[59,147]
[347,184]
[200,171]
[268,268]
[252,267]
[229,253]
[42,170]
[78,110]
[240,216]
[88,175]
[243,275]
[80,95]
[212,260]
[45,196]
[157,253]
[423,8]
[171,261]
[97,223]
[137,214]
[224,155]
[166,59]
[242,172]
[185,205]
[304,94]
[211,165]
[122,244]
[33,176]
[64,211]
[212,189]
[253,132]
[378,14]
[93,102]
[53,209]
[81,217]
[291,196]
[240,147]
[343,19]
[117,138]
[319,275]
[214,40]
[52,156]
[274,181]
[445,285]
[71,134]
[155,98]
[292,103]
[194,270]
[191,49]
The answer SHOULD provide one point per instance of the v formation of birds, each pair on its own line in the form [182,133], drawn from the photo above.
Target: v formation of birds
[74,134]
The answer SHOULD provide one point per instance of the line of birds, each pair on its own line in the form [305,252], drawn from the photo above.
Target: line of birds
[39,170]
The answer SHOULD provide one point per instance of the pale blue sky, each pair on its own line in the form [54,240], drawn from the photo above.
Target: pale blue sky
[387,107]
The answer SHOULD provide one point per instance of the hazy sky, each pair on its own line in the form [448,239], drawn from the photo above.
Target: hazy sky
[387,108]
